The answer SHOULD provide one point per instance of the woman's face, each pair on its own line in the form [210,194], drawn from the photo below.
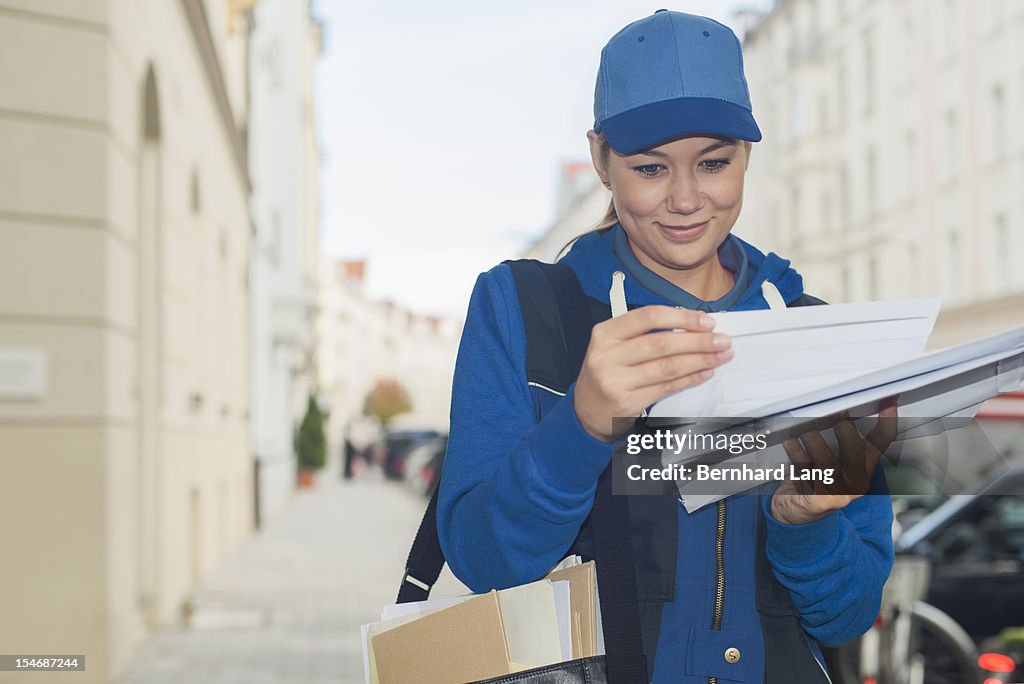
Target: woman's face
[677,202]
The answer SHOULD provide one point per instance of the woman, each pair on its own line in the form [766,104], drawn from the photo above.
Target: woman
[671,140]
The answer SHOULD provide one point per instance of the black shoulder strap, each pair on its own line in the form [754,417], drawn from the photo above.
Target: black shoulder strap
[558,321]
[808,300]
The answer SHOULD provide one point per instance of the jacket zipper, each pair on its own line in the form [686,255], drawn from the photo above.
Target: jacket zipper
[719,608]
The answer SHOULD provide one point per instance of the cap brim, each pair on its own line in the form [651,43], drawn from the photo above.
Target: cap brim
[653,124]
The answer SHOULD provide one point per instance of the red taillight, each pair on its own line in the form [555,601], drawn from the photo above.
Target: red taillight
[996,662]
[879,621]
[993,680]
[870,680]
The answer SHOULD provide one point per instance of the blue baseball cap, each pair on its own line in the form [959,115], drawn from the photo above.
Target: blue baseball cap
[669,75]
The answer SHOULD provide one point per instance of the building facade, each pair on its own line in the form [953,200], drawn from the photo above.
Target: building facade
[363,340]
[125,467]
[284,163]
[890,159]
[582,203]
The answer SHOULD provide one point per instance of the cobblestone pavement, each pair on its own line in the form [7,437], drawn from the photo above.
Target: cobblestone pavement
[288,606]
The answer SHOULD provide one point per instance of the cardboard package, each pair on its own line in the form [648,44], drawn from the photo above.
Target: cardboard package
[433,649]
[488,635]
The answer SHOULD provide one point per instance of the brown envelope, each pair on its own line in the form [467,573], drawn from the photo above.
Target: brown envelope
[465,642]
[582,591]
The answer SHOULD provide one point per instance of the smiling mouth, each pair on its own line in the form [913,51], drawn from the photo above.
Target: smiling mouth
[692,226]
[684,233]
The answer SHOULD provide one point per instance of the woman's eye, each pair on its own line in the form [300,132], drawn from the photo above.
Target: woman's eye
[648,170]
[714,165]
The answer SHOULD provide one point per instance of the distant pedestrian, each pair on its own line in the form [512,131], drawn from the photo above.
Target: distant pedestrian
[350,455]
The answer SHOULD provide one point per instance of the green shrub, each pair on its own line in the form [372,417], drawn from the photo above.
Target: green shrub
[310,440]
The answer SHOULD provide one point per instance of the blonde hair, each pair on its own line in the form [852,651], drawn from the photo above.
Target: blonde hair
[611,217]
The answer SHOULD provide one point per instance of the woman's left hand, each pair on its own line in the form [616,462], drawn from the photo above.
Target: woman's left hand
[802,501]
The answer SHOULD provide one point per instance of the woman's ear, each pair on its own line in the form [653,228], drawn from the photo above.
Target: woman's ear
[749,146]
[597,156]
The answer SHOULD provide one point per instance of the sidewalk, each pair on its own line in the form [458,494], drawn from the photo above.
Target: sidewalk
[288,606]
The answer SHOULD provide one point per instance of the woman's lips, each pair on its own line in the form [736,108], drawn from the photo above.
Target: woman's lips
[683,233]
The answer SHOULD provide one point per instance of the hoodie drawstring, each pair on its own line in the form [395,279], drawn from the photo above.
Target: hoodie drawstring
[617,295]
[772,296]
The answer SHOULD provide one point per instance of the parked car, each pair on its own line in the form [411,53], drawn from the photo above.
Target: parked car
[423,464]
[976,545]
[397,444]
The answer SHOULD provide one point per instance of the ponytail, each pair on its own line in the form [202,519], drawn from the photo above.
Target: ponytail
[611,217]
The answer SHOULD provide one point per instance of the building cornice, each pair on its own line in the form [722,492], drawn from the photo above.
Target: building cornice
[200,26]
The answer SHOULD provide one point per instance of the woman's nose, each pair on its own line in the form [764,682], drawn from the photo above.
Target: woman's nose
[684,195]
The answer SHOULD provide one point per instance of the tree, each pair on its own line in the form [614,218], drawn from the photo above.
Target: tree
[310,440]
[386,400]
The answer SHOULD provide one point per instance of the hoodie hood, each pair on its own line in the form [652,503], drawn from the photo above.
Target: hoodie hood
[593,259]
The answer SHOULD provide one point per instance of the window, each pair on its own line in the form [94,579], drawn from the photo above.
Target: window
[997,14]
[954,270]
[822,114]
[776,224]
[794,198]
[1001,258]
[949,27]
[796,130]
[844,196]
[952,146]
[841,103]
[873,285]
[909,51]
[991,530]
[869,71]
[872,180]
[914,271]
[195,201]
[910,170]
[999,141]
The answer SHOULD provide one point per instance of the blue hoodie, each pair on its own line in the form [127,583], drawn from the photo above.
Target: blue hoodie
[515,491]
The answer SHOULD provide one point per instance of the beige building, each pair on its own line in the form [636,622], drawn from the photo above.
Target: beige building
[892,155]
[125,471]
[284,164]
[582,203]
[362,340]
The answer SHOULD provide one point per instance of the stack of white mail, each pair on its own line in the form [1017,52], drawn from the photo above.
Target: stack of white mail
[808,362]
[474,637]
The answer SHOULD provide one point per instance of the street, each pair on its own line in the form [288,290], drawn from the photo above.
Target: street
[288,606]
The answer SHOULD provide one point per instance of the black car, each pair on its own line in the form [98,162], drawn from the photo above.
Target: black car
[976,546]
[397,444]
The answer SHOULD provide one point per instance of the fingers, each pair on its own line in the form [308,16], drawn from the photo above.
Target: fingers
[657,345]
[884,431]
[801,462]
[653,317]
[670,368]
[645,396]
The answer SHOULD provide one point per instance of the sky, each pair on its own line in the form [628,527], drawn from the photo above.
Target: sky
[444,126]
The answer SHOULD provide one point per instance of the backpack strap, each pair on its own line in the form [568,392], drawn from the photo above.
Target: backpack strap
[554,351]
[558,321]
[426,559]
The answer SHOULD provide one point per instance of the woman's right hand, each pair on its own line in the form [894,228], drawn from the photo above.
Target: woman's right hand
[627,367]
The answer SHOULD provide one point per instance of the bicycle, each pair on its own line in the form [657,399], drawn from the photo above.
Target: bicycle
[911,641]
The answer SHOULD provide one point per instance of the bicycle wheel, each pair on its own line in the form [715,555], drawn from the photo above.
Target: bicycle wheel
[950,655]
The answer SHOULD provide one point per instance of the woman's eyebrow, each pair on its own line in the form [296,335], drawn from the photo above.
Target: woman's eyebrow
[715,146]
[710,148]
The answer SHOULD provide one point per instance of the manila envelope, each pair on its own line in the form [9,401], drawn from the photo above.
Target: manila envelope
[463,643]
[582,591]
